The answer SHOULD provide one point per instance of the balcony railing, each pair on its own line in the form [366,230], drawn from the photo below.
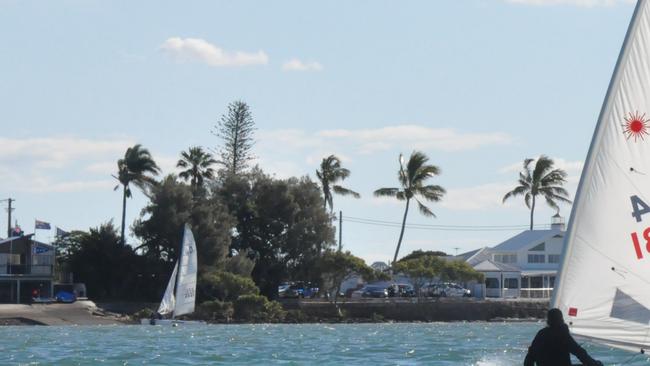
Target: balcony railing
[26,270]
[536,293]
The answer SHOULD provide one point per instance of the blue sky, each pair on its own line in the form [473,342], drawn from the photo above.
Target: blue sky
[478,85]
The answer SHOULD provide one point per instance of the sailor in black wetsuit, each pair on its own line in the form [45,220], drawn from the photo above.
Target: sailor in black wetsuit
[554,345]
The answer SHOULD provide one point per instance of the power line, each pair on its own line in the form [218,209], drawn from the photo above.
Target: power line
[373,222]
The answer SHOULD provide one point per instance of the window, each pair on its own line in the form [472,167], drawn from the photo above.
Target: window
[510,283]
[505,258]
[524,282]
[554,258]
[491,283]
[536,282]
[536,258]
[551,281]
[538,248]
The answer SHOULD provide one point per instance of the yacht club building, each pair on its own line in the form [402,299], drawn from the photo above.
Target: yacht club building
[26,269]
[524,266]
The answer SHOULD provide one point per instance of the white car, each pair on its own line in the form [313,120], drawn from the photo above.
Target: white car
[449,289]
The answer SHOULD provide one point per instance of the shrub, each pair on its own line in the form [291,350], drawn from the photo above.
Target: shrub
[224,286]
[143,314]
[296,316]
[214,310]
[257,308]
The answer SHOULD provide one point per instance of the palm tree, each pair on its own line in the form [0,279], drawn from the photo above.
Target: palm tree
[331,172]
[412,178]
[543,180]
[136,167]
[198,164]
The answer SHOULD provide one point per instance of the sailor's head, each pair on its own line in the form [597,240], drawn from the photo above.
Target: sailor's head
[554,318]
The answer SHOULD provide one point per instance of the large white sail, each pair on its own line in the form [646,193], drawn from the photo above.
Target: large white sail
[604,284]
[186,283]
[168,302]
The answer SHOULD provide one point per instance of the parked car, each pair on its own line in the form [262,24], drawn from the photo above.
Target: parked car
[449,289]
[374,291]
[282,288]
[65,297]
[299,289]
[401,290]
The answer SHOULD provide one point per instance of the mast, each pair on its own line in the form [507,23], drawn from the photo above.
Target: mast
[589,162]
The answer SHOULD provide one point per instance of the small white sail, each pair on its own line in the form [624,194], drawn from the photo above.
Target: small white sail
[186,284]
[168,302]
[604,282]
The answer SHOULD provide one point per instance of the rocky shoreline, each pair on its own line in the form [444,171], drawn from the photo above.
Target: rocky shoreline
[297,311]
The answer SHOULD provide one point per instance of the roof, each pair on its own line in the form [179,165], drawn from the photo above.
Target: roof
[15,238]
[526,238]
[491,266]
[467,255]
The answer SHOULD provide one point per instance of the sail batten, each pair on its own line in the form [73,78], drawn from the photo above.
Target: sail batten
[604,279]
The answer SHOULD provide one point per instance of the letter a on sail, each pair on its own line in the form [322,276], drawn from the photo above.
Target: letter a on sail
[604,283]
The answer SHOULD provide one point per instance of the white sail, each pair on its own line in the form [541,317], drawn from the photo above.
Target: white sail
[604,283]
[186,283]
[168,301]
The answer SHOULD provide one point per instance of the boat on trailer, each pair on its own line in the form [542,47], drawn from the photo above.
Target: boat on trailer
[180,293]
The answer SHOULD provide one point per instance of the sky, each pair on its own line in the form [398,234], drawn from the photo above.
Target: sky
[477,85]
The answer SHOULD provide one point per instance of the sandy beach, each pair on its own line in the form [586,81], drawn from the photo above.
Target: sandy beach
[79,313]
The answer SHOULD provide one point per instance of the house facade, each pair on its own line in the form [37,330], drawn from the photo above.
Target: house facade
[524,266]
[26,269]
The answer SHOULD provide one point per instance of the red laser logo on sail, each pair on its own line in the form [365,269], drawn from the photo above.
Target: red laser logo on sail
[636,125]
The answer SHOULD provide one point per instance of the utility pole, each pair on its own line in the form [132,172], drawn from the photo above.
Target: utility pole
[9,209]
[340,230]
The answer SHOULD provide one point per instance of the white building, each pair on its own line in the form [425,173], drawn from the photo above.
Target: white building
[523,266]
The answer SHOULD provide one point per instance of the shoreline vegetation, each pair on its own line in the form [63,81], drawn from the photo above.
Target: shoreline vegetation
[292,312]
[255,232]
[378,311]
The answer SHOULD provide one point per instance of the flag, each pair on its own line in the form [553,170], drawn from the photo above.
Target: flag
[42,225]
[61,233]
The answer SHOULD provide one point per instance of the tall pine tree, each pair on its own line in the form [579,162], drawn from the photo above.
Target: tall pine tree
[236,129]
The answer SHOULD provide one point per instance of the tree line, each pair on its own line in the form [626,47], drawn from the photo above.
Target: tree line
[253,231]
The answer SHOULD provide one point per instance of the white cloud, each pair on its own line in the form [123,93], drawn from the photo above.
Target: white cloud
[53,152]
[368,141]
[58,164]
[298,65]
[580,3]
[196,49]
[417,137]
[573,168]
[481,197]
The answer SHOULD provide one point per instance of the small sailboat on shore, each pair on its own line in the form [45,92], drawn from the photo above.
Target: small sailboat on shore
[603,287]
[180,294]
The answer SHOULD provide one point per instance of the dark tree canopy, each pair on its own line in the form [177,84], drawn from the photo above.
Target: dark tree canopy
[160,227]
[235,129]
[281,224]
[420,253]
[335,267]
[109,269]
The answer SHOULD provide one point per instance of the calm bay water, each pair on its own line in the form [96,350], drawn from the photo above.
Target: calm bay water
[322,344]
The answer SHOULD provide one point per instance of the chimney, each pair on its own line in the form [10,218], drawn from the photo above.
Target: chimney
[557,222]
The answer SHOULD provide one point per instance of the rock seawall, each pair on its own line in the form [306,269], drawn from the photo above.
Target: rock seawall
[424,310]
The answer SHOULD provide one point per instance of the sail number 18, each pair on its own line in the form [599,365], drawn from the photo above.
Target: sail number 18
[640,208]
